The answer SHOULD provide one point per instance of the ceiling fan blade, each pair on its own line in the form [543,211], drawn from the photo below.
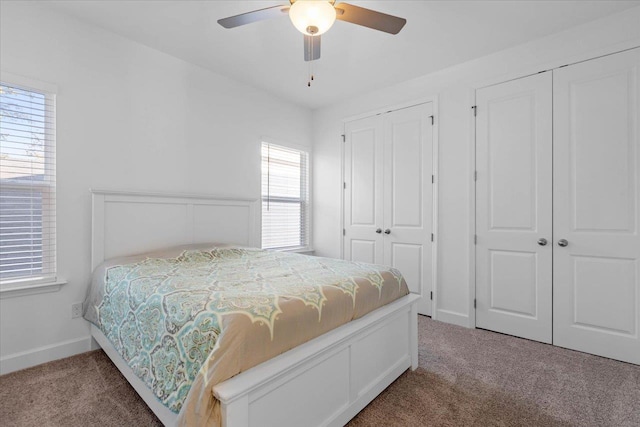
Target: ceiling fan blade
[369,18]
[256,15]
[311,48]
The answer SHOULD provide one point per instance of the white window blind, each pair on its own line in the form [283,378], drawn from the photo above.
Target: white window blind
[285,197]
[27,185]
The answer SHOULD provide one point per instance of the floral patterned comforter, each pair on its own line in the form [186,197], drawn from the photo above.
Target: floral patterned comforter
[187,319]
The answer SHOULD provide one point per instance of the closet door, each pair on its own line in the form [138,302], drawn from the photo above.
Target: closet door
[363,198]
[408,195]
[596,212]
[513,207]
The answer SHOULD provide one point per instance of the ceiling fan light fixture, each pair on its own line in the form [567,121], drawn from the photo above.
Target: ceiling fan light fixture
[312,17]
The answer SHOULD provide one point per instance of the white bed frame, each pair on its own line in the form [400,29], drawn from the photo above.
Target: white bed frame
[324,382]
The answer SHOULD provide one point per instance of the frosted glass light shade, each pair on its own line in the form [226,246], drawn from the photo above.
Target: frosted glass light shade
[312,17]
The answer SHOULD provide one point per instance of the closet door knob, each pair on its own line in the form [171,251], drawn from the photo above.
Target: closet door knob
[563,242]
[379,230]
[542,242]
[387,231]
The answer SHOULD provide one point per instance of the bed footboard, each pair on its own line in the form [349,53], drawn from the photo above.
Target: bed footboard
[328,380]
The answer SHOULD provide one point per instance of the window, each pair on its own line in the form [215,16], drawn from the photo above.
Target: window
[285,197]
[27,185]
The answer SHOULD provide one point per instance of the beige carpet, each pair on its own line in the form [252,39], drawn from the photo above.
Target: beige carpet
[466,378]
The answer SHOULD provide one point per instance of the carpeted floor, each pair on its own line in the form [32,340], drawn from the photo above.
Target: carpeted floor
[466,378]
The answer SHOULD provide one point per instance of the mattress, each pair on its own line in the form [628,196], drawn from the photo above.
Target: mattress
[188,318]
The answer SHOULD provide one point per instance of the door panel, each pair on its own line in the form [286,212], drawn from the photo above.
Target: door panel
[592,298]
[408,207]
[599,167]
[363,177]
[513,207]
[408,175]
[363,251]
[512,161]
[363,197]
[596,193]
[512,282]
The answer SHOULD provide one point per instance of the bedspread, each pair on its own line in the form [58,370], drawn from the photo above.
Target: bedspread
[188,319]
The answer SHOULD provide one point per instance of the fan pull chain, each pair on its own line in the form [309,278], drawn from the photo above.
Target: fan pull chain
[310,49]
[310,61]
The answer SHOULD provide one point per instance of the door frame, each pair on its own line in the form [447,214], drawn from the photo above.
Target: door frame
[474,214]
[434,164]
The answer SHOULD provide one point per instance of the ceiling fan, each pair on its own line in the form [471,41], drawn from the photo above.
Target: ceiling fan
[314,17]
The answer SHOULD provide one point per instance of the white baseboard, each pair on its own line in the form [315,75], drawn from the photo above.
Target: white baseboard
[37,356]
[453,317]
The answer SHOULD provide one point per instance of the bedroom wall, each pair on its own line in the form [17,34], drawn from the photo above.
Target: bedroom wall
[128,118]
[454,89]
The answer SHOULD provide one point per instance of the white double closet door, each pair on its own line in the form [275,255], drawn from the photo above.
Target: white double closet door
[388,195]
[557,157]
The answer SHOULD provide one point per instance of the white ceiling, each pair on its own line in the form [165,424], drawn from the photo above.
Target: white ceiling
[269,54]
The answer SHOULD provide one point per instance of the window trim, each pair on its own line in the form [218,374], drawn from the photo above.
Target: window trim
[46,282]
[31,286]
[308,248]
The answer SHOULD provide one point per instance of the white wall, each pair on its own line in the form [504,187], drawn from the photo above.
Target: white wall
[454,89]
[129,118]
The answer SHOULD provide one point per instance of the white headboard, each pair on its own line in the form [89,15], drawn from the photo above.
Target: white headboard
[128,223]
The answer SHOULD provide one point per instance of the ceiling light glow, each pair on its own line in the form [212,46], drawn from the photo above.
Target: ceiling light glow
[312,17]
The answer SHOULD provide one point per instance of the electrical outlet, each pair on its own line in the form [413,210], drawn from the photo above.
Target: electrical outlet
[76,310]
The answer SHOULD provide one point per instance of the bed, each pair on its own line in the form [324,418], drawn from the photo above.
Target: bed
[280,349]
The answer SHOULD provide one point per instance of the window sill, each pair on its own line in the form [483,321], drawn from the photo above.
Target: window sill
[14,290]
[303,251]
